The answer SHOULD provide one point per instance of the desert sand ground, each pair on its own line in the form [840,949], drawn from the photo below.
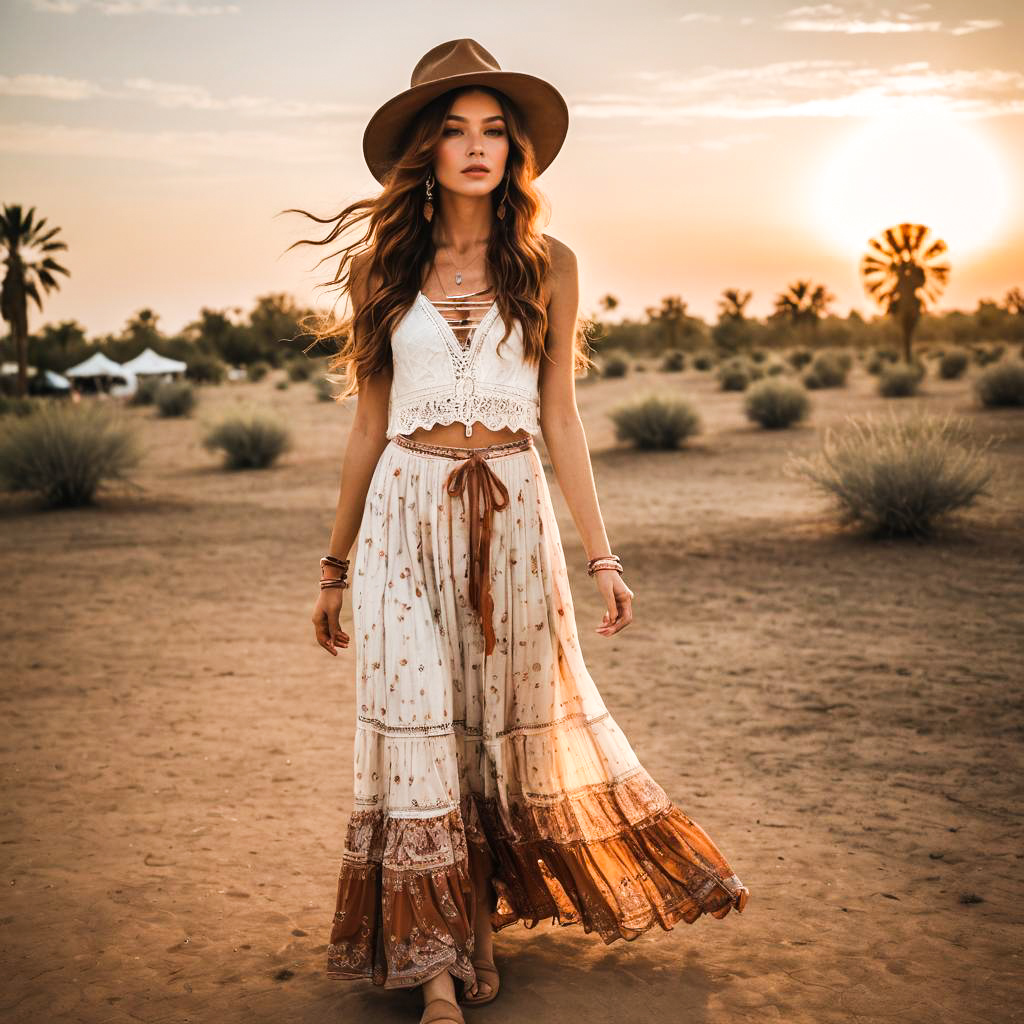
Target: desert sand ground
[843,717]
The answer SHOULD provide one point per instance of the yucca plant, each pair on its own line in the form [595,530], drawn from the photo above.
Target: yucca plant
[899,475]
[66,452]
[656,423]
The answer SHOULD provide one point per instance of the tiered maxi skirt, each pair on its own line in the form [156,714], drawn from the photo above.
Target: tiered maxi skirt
[509,756]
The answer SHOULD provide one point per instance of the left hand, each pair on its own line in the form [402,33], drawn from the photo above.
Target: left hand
[618,598]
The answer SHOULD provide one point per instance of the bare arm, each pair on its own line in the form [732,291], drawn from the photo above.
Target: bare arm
[366,441]
[565,437]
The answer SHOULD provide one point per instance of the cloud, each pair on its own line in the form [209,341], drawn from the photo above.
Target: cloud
[179,8]
[315,144]
[171,96]
[832,18]
[808,88]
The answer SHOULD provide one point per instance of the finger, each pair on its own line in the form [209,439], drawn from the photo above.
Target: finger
[323,636]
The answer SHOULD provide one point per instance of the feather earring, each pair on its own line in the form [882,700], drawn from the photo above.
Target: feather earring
[428,206]
[501,206]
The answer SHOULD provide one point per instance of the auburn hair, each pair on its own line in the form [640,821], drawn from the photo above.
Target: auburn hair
[398,241]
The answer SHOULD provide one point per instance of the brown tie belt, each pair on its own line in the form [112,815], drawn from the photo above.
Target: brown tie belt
[480,488]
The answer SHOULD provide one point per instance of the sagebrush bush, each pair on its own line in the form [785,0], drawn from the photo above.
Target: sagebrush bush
[953,364]
[145,390]
[174,398]
[656,423]
[1002,384]
[799,358]
[828,370]
[673,362]
[258,370]
[774,369]
[299,368]
[65,451]
[898,380]
[758,355]
[614,365]
[702,362]
[204,368]
[251,439]
[899,475]
[776,403]
[11,405]
[735,375]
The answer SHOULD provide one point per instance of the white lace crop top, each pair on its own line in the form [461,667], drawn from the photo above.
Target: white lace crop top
[438,381]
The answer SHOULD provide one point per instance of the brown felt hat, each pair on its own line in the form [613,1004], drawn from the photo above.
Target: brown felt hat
[451,65]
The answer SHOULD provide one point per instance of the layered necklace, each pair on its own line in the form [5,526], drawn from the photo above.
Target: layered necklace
[461,312]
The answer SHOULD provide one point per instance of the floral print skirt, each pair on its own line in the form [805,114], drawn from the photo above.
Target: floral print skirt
[507,755]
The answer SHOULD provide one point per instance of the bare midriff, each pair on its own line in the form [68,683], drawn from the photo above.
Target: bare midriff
[454,435]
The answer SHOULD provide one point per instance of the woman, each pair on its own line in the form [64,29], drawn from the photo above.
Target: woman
[491,783]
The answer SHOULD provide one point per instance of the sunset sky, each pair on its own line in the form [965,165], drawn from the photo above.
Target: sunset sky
[710,146]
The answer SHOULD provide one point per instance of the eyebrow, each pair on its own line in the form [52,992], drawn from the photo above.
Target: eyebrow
[459,117]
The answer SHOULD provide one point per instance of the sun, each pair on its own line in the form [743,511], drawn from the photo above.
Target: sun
[927,168]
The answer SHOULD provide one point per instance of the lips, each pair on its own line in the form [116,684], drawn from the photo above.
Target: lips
[476,167]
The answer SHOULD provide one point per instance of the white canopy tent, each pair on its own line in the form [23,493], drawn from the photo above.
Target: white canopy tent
[150,362]
[99,365]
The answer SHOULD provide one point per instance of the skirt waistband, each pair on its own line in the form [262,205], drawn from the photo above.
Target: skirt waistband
[489,451]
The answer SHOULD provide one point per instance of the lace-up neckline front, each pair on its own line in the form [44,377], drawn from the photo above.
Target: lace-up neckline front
[463,314]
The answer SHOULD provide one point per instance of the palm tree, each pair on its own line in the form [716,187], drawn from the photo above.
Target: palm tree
[804,303]
[608,303]
[732,303]
[899,269]
[22,278]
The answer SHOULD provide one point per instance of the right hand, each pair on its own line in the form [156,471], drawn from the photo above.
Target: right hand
[326,620]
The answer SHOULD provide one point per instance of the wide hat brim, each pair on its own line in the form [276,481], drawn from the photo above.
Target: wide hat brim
[542,106]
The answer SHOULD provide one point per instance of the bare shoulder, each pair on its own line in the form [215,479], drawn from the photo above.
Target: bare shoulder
[564,270]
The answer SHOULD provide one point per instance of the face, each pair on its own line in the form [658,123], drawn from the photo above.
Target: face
[473,136]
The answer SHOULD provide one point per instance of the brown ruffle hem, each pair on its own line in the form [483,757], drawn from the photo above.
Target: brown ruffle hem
[616,857]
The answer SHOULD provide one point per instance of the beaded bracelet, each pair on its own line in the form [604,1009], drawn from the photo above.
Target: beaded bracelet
[334,581]
[604,562]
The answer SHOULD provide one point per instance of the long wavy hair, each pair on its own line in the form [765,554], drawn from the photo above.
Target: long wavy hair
[399,243]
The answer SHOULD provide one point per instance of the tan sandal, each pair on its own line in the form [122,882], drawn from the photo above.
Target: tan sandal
[488,972]
[442,1011]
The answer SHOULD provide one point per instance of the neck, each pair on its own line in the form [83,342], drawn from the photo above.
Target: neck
[463,224]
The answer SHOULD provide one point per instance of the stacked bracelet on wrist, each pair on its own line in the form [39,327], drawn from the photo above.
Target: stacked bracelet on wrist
[604,562]
[334,581]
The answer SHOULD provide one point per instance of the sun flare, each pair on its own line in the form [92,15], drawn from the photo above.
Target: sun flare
[926,168]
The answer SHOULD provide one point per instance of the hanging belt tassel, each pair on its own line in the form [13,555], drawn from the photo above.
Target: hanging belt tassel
[486,495]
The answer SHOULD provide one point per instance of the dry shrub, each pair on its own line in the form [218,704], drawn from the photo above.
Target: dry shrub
[776,403]
[1002,384]
[65,451]
[900,380]
[656,423]
[898,476]
[249,440]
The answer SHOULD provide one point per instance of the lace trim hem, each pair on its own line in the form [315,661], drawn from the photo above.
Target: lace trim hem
[493,411]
